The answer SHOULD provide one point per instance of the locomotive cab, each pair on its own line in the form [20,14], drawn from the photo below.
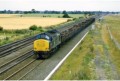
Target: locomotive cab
[42,42]
[46,42]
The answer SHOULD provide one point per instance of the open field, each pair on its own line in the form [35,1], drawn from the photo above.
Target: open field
[8,15]
[26,22]
[113,22]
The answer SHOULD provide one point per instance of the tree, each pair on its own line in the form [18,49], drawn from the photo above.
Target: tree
[65,14]
[33,11]
[33,27]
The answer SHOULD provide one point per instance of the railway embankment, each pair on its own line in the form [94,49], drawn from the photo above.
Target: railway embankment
[94,58]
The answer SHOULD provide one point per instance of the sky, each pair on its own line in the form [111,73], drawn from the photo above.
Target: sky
[60,5]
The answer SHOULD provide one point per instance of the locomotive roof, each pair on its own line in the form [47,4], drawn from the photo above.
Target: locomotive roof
[52,32]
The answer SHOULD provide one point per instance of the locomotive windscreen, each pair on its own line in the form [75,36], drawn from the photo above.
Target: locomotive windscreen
[43,36]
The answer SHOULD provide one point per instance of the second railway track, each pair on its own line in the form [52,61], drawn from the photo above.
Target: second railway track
[14,62]
[25,70]
[12,47]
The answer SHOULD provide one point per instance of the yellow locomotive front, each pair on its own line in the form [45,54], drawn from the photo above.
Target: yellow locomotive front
[46,43]
[41,45]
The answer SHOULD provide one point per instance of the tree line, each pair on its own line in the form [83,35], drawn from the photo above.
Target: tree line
[33,11]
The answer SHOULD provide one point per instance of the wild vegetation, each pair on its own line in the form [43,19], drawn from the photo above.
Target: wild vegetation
[96,57]
[79,67]
[7,36]
[112,22]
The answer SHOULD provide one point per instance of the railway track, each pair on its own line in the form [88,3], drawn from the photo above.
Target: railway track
[21,69]
[12,47]
[14,62]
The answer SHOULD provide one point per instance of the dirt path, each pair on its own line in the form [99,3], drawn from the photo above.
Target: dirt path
[114,40]
[105,69]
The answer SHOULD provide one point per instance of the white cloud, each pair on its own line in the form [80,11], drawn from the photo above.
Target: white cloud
[105,5]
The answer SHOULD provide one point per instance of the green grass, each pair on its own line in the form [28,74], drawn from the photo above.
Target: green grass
[8,36]
[114,24]
[114,51]
[78,64]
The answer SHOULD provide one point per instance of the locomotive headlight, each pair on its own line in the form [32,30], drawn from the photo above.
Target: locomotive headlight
[47,49]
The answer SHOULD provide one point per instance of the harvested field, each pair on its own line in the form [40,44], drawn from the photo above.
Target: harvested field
[15,22]
[8,15]
[113,22]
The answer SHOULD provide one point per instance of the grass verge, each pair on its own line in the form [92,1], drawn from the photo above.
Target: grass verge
[79,64]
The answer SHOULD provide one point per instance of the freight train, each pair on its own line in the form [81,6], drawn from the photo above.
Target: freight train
[48,42]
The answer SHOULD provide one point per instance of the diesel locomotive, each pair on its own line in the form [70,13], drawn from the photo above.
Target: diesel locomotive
[48,42]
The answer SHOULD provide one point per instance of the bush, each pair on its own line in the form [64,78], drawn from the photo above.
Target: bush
[59,17]
[74,19]
[80,17]
[1,28]
[40,28]
[7,38]
[69,20]
[33,27]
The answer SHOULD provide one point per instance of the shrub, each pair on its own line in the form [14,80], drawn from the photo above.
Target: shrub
[74,19]
[59,17]
[23,31]
[1,28]
[82,75]
[33,27]
[40,28]
[7,38]
[69,20]
[91,48]
[80,17]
